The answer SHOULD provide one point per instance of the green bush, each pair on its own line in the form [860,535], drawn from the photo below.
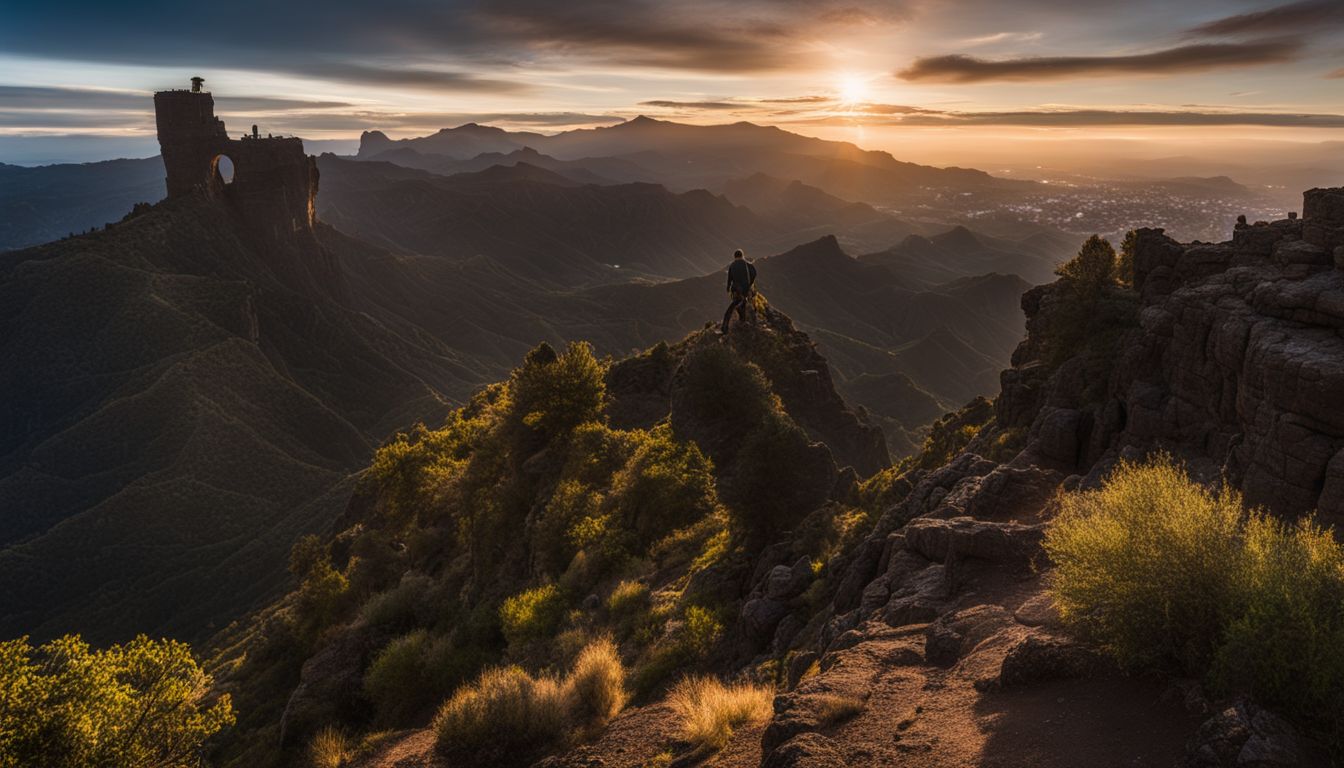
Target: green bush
[532,614]
[553,394]
[64,705]
[666,485]
[408,675]
[628,598]
[1165,573]
[1286,648]
[1150,564]
[778,478]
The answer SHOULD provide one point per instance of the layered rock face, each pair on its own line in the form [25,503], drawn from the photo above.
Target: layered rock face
[274,183]
[1237,365]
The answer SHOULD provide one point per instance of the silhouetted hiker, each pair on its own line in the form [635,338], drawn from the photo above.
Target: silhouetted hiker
[741,278]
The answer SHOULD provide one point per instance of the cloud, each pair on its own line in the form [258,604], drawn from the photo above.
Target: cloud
[958,68]
[915,116]
[18,97]
[1003,37]
[1336,75]
[1299,17]
[709,105]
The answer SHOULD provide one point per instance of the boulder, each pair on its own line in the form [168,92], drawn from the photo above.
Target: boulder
[1040,657]
[939,540]
[1244,734]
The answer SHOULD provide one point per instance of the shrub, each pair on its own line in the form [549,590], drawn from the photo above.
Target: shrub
[552,394]
[409,674]
[508,715]
[64,705]
[700,631]
[401,606]
[1285,646]
[1162,570]
[722,397]
[667,484]
[1124,265]
[779,476]
[596,684]
[329,749]
[628,598]
[505,714]
[532,614]
[1149,564]
[710,710]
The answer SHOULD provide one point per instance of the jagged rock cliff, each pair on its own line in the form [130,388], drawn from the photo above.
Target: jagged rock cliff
[1236,364]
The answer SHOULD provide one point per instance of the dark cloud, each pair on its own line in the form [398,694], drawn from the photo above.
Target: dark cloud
[1299,17]
[902,115]
[711,105]
[463,45]
[16,97]
[959,68]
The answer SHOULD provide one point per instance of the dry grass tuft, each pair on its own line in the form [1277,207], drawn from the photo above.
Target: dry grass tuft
[833,708]
[507,712]
[596,684]
[329,749]
[710,710]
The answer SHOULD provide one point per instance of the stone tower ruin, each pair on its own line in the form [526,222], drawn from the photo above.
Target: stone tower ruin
[274,182]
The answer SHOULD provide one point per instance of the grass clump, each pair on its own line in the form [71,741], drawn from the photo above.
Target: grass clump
[596,684]
[709,710]
[1165,573]
[330,748]
[507,714]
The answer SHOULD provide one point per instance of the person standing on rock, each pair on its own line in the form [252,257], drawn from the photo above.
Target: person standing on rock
[741,281]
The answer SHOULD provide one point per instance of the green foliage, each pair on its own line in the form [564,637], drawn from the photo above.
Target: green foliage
[64,705]
[724,390]
[1093,269]
[947,438]
[665,486]
[1149,564]
[628,598]
[1124,265]
[552,395]
[412,467]
[1285,646]
[409,674]
[323,591]
[1164,572]
[701,631]
[1088,311]
[774,480]
[532,614]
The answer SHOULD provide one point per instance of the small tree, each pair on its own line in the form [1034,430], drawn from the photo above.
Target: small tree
[1124,267]
[142,704]
[552,394]
[1092,269]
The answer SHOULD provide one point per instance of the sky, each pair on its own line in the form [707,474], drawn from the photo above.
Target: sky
[944,81]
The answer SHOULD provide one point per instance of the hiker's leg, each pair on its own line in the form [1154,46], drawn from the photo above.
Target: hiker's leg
[742,309]
[728,315]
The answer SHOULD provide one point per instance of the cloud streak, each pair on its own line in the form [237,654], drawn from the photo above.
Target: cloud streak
[1300,17]
[959,68]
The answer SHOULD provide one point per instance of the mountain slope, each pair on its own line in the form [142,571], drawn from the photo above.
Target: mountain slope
[41,204]
[181,400]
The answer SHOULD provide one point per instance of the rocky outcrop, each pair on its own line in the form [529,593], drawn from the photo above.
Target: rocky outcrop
[1236,364]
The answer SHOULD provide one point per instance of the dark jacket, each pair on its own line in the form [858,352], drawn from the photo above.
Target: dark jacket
[741,276]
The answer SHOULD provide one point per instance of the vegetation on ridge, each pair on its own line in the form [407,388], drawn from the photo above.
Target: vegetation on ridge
[144,703]
[1165,573]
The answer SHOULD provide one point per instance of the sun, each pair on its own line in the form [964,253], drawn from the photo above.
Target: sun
[852,89]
